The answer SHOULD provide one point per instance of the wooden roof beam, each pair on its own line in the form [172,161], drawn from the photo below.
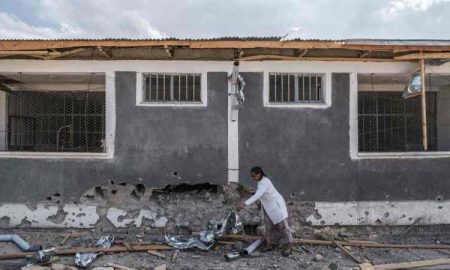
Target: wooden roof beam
[262,57]
[419,56]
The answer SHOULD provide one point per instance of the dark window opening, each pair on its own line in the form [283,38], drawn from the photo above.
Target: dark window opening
[389,123]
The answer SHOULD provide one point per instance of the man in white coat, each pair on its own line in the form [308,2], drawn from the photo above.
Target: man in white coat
[277,232]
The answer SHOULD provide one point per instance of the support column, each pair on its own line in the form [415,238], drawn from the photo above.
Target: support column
[424,106]
[3,120]
[233,138]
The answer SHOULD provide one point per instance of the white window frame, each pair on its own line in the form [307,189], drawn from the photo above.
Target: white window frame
[326,91]
[110,126]
[353,120]
[140,90]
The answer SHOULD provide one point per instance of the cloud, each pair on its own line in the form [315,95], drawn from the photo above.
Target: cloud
[396,7]
[211,18]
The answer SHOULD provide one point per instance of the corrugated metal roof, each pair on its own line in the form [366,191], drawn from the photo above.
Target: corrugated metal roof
[398,42]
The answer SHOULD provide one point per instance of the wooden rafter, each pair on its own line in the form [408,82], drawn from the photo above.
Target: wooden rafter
[413,56]
[211,44]
[261,57]
[365,54]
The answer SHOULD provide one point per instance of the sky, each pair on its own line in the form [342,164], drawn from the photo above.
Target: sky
[324,19]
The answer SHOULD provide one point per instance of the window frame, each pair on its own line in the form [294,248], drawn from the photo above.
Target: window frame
[140,95]
[354,152]
[326,91]
[110,126]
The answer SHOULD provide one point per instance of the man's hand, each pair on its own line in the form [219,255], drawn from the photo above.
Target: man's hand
[241,206]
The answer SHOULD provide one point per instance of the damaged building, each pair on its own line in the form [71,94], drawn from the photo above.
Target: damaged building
[84,122]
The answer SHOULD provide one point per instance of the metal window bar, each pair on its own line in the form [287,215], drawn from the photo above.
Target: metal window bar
[393,124]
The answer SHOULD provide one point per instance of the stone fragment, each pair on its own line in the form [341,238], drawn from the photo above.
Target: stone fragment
[161,267]
[318,258]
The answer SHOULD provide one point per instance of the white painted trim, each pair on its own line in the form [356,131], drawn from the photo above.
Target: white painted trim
[233,135]
[110,131]
[403,155]
[55,155]
[353,110]
[3,120]
[372,213]
[327,89]
[203,90]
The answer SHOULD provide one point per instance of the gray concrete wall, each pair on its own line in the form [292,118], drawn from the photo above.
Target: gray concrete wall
[152,143]
[443,119]
[306,153]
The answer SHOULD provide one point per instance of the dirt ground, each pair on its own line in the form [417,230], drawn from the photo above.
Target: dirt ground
[304,257]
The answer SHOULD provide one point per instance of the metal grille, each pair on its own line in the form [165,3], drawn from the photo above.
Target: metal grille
[295,88]
[72,121]
[172,87]
[389,123]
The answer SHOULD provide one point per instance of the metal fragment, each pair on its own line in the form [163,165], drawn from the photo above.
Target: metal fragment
[414,86]
[85,259]
[105,241]
[190,243]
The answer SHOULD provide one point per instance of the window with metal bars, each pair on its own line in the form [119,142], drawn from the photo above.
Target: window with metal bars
[56,121]
[176,88]
[296,88]
[389,123]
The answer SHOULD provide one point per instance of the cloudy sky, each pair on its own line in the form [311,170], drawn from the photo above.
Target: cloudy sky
[210,18]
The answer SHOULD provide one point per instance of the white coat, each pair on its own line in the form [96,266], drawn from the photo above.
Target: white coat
[271,199]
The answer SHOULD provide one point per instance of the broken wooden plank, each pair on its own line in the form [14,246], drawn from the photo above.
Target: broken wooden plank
[417,56]
[70,251]
[157,254]
[122,267]
[350,243]
[357,260]
[404,265]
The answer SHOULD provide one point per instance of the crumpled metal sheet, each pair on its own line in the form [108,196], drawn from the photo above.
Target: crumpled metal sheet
[44,255]
[206,237]
[414,85]
[231,225]
[105,241]
[85,259]
[190,243]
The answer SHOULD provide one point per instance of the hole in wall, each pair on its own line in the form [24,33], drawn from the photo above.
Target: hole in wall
[188,188]
[57,194]
[439,198]
[293,195]
[114,191]
[174,173]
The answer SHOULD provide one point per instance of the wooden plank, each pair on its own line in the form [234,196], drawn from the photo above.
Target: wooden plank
[261,57]
[424,106]
[416,56]
[211,44]
[67,53]
[70,251]
[157,254]
[122,267]
[350,243]
[347,252]
[409,265]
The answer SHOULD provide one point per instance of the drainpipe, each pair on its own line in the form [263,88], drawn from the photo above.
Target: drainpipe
[24,245]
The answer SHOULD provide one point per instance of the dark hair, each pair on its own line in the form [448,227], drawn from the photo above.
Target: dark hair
[258,170]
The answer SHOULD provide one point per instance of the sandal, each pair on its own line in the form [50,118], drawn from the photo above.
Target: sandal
[286,250]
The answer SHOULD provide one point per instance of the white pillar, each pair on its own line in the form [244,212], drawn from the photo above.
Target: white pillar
[233,138]
[3,120]
[353,115]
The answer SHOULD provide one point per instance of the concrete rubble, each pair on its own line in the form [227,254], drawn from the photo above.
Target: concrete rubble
[138,218]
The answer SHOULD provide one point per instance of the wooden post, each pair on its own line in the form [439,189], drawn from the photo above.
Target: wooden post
[424,106]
